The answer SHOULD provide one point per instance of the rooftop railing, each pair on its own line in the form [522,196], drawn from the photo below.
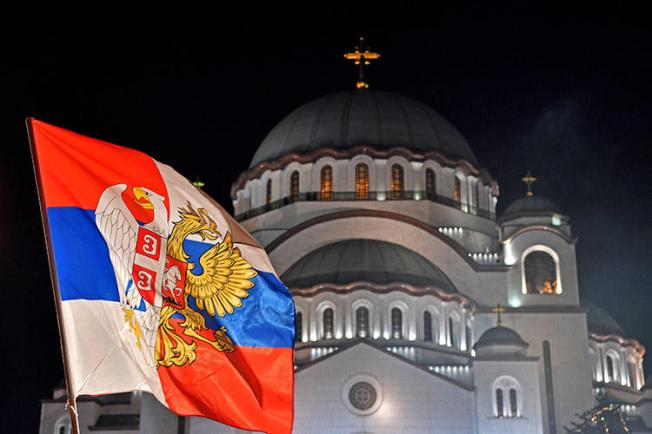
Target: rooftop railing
[335,196]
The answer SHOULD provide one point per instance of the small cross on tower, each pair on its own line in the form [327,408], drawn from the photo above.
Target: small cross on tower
[528,179]
[498,310]
[362,57]
[198,183]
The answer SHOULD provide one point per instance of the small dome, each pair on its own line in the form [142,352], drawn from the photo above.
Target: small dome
[600,322]
[530,206]
[363,117]
[371,261]
[500,336]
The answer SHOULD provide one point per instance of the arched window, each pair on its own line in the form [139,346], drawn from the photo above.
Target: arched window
[469,338]
[427,326]
[362,322]
[457,192]
[506,397]
[513,403]
[611,372]
[62,430]
[361,181]
[478,194]
[452,332]
[294,186]
[328,323]
[397,323]
[326,183]
[396,186]
[298,326]
[540,272]
[631,371]
[500,406]
[268,200]
[431,185]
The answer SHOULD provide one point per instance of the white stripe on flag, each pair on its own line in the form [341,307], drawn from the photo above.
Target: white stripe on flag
[103,353]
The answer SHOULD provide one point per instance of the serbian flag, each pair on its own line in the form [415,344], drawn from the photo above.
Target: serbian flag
[160,289]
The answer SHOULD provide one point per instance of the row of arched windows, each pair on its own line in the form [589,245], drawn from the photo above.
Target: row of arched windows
[396,186]
[362,327]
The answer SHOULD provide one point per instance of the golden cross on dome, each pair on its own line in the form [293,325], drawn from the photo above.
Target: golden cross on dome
[498,310]
[529,180]
[362,57]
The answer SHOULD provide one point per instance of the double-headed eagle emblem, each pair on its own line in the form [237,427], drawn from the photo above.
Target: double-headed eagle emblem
[153,274]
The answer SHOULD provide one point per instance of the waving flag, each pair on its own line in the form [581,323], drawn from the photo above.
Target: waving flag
[160,289]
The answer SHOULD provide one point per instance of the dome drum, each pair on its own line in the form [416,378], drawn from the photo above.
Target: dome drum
[458,186]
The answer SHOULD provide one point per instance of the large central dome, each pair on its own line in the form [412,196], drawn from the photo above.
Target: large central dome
[363,117]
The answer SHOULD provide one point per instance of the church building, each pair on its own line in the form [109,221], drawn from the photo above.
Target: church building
[418,309]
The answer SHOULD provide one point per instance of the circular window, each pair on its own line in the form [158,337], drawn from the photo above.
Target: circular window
[362,395]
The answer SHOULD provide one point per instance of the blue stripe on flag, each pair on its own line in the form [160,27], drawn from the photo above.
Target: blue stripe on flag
[81,256]
[84,269]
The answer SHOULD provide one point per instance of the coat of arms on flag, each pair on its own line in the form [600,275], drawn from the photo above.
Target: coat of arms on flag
[159,289]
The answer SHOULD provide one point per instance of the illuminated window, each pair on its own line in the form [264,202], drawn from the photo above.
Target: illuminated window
[396,187]
[431,185]
[611,373]
[427,326]
[294,186]
[268,200]
[513,403]
[326,183]
[457,192]
[298,326]
[500,408]
[362,322]
[361,181]
[397,323]
[328,323]
[540,272]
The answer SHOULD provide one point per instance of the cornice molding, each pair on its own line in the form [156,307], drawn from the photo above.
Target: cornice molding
[407,288]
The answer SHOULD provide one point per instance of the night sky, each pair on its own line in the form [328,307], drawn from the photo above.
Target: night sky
[562,92]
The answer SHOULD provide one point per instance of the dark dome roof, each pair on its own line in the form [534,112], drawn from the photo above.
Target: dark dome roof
[600,322]
[500,335]
[372,261]
[363,117]
[530,205]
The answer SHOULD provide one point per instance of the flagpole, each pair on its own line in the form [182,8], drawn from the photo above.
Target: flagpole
[71,399]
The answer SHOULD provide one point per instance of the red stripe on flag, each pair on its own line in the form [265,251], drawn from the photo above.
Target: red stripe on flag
[251,388]
[75,169]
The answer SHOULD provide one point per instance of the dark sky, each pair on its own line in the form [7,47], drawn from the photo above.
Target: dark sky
[562,92]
